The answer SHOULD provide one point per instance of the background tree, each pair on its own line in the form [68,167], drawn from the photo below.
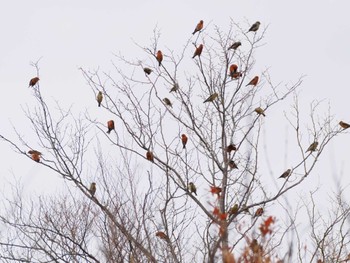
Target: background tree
[143,209]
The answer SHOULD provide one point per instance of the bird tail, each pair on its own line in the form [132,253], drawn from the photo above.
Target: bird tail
[109,131]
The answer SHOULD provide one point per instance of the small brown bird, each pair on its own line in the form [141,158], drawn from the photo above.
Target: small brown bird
[99,98]
[230,148]
[159,57]
[162,235]
[175,87]
[260,111]
[147,71]
[167,102]
[255,247]
[232,164]
[233,69]
[254,27]
[286,174]
[198,51]
[150,156]
[192,188]
[92,189]
[259,212]
[235,45]
[312,147]
[236,75]
[253,82]
[199,27]
[344,125]
[33,81]
[212,97]
[233,210]
[110,126]
[184,140]
[35,155]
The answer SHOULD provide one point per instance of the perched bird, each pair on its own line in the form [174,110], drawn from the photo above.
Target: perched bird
[175,87]
[92,189]
[184,140]
[192,188]
[254,27]
[110,126]
[99,98]
[312,147]
[255,247]
[259,212]
[236,75]
[147,71]
[233,210]
[162,235]
[35,155]
[260,111]
[235,45]
[285,174]
[233,69]
[230,148]
[344,125]
[167,102]
[212,97]
[232,164]
[198,51]
[199,27]
[159,57]
[150,156]
[253,82]
[33,81]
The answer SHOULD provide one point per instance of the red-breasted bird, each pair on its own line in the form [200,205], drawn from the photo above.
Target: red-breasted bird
[167,102]
[312,147]
[159,57]
[286,174]
[162,235]
[253,82]
[235,45]
[212,97]
[35,155]
[184,140]
[254,27]
[33,81]
[198,51]
[344,125]
[233,69]
[150,156]
[260,111]
[259,212]
[99,98]
[147,71]
[110,126]
[92,189]
[199,27]
[192,188]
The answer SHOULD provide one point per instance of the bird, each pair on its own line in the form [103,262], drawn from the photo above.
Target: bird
[150,156]
[99,98]
[260,111]
[184,140]
[167,102]
[236,75]
[174,88]
[35,155]
[230,148]
[235,45]
[259,212]
[254,27]
[162,235]
[232,164]
[92,189]
[233,69]
[198,51]
[33,81]
[198,27]
[192,188]
[110,126]
[344,125]
[212,97]
[233,209]
[254,81]
[159,57]
[285,174]
[312,147]
[147,71]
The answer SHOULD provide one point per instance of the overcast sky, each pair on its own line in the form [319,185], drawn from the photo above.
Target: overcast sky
[310,38]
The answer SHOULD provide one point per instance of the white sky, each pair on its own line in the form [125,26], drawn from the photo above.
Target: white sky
[309,38]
